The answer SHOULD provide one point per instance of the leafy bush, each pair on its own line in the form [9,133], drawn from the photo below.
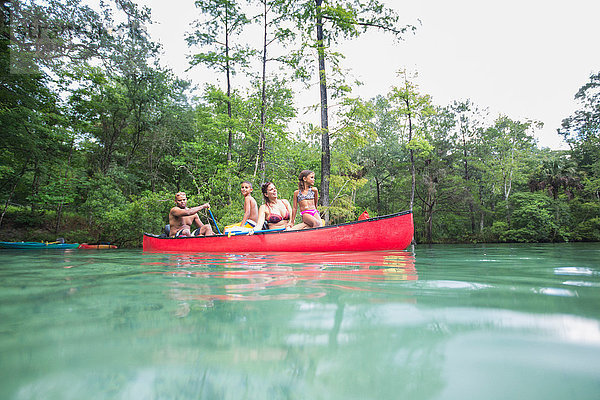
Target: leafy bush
[449,228]
[588,230]
[532,219]
[496,231]
[586,216]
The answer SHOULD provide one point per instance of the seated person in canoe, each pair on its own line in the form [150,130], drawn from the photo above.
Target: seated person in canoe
[250,211]
[275,212]
[305,199]
[181,218]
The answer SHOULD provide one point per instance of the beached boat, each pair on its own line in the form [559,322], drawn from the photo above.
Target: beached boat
[389,232]
[97,246]
[37,245]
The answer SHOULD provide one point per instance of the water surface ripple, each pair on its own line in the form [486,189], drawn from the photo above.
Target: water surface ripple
[433,322]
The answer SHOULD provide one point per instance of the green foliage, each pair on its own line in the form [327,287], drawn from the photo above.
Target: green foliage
[420,146]
[586,220]
[58,191]
[103,196]
[222,21]
[344,188]
[588,230]
[94,150]
[144,213]
[582,130]
[532,217]
[451,228]
[121,219]
[51,34]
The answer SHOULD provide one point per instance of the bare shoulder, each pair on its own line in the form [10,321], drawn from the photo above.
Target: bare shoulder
[314,189]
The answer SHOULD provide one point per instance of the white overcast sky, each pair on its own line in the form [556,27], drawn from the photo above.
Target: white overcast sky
[522,58]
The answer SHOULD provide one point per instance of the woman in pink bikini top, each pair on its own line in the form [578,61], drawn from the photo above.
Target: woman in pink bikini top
[305,199]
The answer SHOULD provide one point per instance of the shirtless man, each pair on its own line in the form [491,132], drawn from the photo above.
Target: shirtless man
[181,218]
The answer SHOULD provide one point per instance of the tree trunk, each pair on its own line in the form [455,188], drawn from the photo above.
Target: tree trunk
[262,140]
[466,177]
[112,130]
[12,191]
[481,212]
[378,194]
[429,206]
[472,215]
[59,210]
[137,139]
[481,222]
[429,223]
[228,72]
[507,189]
[35,185]
[412,157]
[325,151]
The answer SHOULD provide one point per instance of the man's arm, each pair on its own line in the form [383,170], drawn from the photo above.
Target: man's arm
[184,212]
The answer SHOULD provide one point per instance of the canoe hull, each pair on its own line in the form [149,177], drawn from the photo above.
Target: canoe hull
[37,245]
[390,232]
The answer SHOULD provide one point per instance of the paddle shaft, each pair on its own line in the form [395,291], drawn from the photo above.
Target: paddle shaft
[213,218]
[260,230]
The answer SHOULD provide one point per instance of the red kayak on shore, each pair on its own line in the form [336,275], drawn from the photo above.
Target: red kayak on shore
[97,246]
[389,232]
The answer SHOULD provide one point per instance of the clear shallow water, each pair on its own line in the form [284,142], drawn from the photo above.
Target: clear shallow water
[442,322]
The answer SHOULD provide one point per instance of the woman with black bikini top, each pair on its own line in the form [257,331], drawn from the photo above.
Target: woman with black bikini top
[275,212]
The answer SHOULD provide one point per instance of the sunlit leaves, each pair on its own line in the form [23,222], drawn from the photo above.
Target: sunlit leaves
[216,31]
[582,129]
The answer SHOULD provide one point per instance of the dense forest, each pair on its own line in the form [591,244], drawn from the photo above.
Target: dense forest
[96,135]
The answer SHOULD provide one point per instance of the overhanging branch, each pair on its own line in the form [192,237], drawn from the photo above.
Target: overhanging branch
[374,25]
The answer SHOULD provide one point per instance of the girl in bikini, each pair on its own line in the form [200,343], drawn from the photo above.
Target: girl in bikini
[275,212]
[306,198]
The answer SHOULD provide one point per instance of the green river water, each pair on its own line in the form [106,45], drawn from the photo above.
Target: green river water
[433,322]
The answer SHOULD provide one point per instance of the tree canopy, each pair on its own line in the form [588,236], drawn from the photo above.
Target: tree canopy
[97,135]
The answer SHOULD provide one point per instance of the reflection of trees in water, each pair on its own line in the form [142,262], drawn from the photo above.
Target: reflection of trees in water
[285,276]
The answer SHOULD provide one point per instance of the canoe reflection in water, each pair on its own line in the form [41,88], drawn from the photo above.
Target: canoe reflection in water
[284,276]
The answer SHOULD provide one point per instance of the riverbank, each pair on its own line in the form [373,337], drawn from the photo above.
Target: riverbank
[43,227]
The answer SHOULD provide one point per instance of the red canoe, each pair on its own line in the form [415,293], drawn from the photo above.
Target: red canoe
[390,232]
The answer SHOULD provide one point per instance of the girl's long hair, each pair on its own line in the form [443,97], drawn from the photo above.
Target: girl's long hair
[304,173]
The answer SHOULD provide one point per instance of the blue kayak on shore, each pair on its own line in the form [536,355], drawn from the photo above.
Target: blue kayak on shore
[37,245]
